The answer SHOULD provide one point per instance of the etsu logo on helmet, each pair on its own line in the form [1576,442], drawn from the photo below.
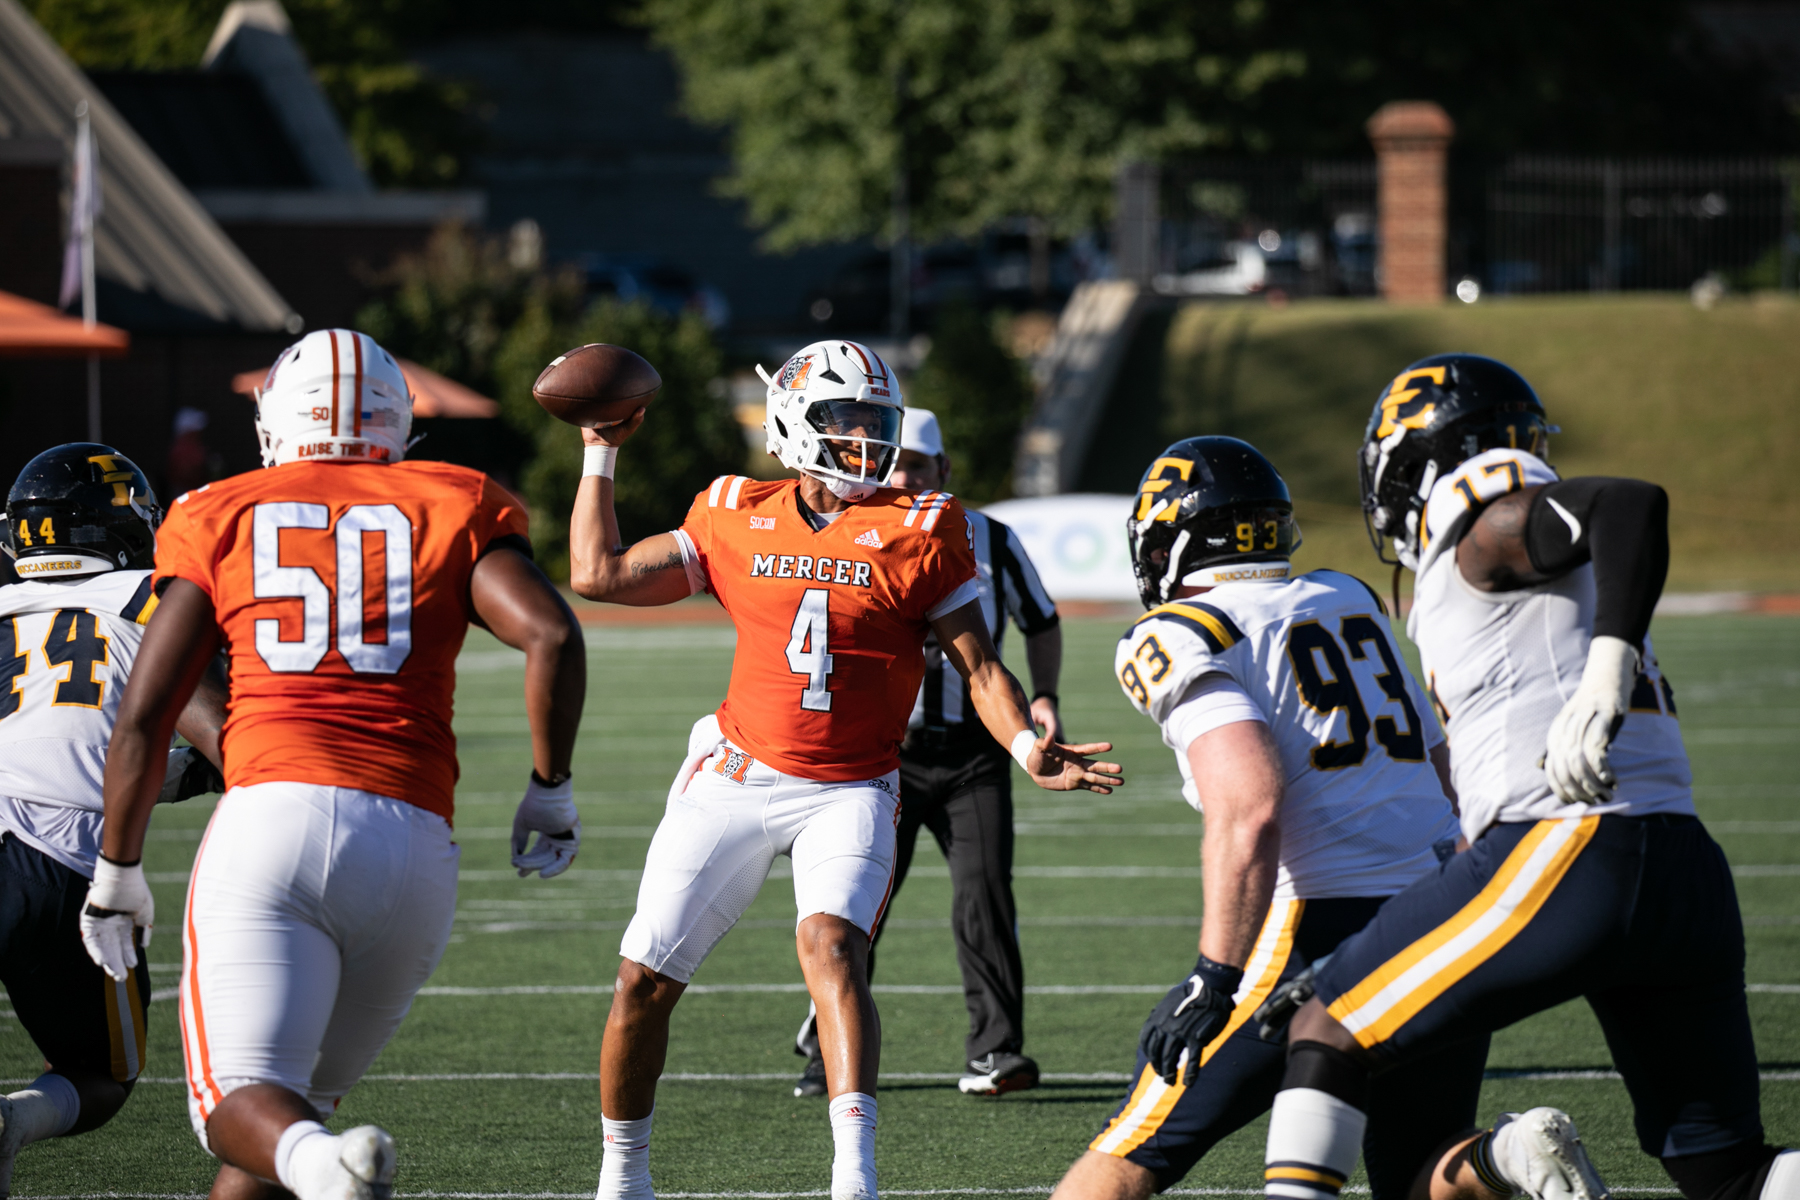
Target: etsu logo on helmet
[81,509]
[335,395]
[1435,415]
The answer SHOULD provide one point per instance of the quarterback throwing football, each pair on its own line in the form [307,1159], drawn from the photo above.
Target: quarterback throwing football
[342,581]
[833,582]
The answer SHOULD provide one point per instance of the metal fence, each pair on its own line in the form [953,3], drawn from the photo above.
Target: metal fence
[1526,224]
[1583,224]
[1304,226]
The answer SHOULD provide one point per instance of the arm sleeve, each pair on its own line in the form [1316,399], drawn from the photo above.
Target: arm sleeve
[695,536]
[179,552]
[1030,605]
[946,562]
[501,521]
[1622,527]
[1210,702]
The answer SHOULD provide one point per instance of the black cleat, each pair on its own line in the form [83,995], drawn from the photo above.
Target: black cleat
[812,1080]
[997,1074]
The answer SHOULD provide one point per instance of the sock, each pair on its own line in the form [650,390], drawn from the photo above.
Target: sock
[46,1107]
[853,1133]
[625,1165]
[1482,1158]
[1784,1177]
[306,1158]
[1314,1140]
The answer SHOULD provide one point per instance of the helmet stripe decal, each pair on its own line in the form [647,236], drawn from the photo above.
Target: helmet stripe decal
[336,374]
[356,341]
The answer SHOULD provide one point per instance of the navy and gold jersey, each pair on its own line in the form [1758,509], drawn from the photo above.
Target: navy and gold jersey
[1501,665]
[1363,804]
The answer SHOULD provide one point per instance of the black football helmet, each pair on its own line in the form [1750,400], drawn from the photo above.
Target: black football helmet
[79,509]
[1207,500]
[1436,414]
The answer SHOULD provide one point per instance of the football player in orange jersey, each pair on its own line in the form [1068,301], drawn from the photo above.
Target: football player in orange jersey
[833,582]
[342,581]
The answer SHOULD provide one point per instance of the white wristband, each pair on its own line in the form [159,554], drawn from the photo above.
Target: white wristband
[599,460]
[1022,744]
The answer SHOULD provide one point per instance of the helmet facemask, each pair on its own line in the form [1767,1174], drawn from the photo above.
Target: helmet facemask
[834,413]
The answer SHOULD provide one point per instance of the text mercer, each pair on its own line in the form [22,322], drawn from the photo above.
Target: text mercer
[805,566]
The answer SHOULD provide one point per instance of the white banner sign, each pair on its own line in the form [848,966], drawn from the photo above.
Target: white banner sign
[1077,543]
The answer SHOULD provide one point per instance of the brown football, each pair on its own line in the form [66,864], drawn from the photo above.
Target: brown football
[596,384]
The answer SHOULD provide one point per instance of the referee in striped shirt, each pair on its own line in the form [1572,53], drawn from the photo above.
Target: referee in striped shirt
[956,781]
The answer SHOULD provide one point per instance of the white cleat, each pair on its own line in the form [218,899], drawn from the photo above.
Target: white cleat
[366,1160]
[1541,1153]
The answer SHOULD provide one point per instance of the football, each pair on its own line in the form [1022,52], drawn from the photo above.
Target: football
[596,385]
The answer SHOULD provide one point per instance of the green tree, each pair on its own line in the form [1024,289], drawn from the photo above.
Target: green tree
[980,395]
[1026,107]
[689,437]
[409,128]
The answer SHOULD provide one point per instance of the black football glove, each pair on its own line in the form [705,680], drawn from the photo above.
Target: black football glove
[1191,1015]
[189,774]
[1278,1010]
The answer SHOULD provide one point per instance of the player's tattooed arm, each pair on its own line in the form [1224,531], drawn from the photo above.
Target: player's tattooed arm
[672,561]
[1492,555]
[601,567]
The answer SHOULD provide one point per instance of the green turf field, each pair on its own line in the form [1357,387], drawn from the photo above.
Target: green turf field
[489,1085]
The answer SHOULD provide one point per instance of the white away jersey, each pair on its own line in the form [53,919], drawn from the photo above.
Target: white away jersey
[1500,666]
[65,651]
[1363,804]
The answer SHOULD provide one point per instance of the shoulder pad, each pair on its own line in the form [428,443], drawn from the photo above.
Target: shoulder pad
[1170,647]
[1358,580]
[1471,487]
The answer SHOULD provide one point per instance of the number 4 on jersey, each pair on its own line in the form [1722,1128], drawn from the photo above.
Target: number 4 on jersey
[807,649]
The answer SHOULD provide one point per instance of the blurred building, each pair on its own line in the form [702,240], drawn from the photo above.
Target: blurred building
[234,216]
[582,134]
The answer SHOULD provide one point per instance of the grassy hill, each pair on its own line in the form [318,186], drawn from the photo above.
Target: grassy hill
[1705,403]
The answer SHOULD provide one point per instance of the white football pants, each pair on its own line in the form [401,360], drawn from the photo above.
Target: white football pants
[313,916]
[722,832]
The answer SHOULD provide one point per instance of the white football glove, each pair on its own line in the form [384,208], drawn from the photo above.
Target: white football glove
[549,811]
[118,905]
[1582,734]
[188,774]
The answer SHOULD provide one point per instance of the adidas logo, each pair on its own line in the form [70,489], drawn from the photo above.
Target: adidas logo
[868,538]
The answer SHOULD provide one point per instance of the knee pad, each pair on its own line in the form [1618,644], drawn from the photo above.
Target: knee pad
[1737,1173]
[1327,1069]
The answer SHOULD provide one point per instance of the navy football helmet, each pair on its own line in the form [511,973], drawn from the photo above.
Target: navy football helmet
[79,509]
[1205,501]
[1436,414]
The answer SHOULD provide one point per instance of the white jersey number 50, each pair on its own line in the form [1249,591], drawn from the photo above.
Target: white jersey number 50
[276,582]
[806,650]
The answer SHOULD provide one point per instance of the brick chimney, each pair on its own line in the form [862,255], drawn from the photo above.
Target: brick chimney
[1411,140]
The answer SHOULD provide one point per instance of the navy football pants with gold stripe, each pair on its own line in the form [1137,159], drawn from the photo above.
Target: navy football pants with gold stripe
[80,1018]
[1637,914]
[1413,1110]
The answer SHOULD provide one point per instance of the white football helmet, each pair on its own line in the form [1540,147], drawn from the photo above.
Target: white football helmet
[334,395]
[834,413]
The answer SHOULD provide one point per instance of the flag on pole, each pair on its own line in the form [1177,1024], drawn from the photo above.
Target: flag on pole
[84,211]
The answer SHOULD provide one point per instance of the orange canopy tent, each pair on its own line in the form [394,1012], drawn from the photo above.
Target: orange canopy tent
[433,395]
[32,330]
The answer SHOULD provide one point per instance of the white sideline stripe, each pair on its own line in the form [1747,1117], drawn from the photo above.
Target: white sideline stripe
[929,871]
[1492,1075]
[889,989]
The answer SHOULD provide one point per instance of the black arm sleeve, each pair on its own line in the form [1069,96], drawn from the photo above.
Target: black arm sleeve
[1622,527]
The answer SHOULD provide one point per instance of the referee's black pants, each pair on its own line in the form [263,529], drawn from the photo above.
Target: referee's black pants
[962,792]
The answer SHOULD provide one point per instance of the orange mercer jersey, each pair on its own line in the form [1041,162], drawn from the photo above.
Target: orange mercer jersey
[830,623]
[342,593]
